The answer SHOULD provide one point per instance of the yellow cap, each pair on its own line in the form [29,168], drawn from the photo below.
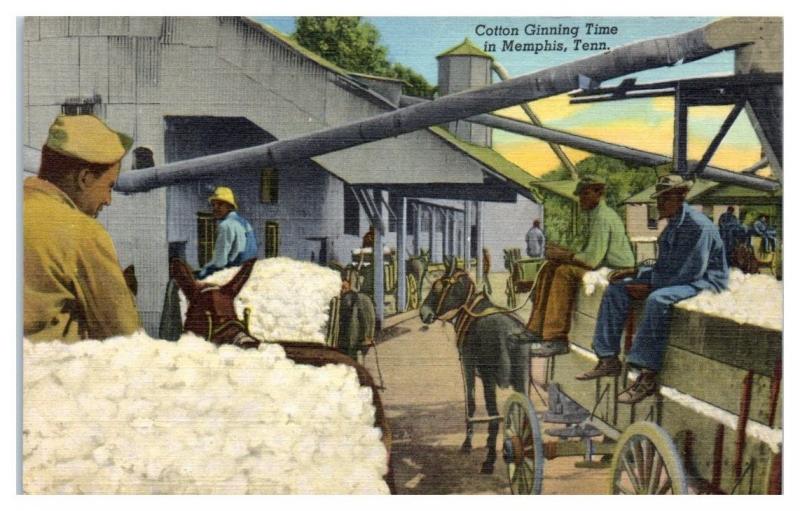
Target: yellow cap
[87,138]
[224,194]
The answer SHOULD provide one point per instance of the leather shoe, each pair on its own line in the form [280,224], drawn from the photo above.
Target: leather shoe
[550,348]
[645,385]
[606,366]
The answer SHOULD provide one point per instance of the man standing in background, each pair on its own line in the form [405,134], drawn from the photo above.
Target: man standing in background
[534,241]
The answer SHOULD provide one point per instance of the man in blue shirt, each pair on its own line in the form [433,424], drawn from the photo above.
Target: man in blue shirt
[691,258]
[534,241]
[761,227]
[236,240]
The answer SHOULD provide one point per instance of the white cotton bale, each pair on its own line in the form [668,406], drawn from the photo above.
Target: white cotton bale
[751,299]
[288,299]
[146,436]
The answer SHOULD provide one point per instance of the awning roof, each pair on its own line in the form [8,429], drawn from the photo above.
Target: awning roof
[643,197]
[726,195]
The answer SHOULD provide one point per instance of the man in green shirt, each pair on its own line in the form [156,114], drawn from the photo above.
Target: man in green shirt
[607,245]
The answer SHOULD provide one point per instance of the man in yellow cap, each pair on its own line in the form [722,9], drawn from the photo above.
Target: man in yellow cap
[236,240]
[74,287]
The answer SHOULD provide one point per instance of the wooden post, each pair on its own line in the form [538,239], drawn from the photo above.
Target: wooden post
[445,233]
[431,231]
[479,236]
[401,256]
[467,234]
[417,227]
[377,261]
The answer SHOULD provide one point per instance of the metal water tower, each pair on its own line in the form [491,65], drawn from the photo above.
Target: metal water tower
[463,67]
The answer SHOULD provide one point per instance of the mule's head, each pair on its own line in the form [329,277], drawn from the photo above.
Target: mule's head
[448,294]
[211,307]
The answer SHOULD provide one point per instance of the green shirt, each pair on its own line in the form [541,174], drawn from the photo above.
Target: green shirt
[607,243]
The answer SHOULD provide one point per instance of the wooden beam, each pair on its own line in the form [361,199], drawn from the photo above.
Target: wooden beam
[679,134]
[717,140]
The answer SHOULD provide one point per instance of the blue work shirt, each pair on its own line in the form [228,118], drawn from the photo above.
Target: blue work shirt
[690,252]
[235,244]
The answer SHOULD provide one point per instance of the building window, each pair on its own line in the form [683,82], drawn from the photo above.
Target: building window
[652,216]
[271,239]
[92,105]
[269,186]
[352,212]
[206,235]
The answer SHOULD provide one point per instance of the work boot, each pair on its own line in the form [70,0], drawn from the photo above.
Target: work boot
[606,366]
[549,348]
[645,385]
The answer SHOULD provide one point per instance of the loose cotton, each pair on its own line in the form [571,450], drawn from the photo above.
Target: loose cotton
[751,299]
[289,300]
[134,415]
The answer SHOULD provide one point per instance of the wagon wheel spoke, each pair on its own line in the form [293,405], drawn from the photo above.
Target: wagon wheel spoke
[638,460]
[631,471]
[622,489]
[518,419]
[666,487]
[655,476]
[647,467]
[646,462]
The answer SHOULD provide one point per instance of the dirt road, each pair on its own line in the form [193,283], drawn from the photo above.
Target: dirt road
[424,401]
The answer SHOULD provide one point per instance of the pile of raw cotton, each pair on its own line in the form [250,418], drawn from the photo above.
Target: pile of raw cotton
[138,415]
[289,300]
[752,299]
[595,280]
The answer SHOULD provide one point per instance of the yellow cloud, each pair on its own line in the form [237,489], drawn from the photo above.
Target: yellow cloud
[547,110]
[537,158]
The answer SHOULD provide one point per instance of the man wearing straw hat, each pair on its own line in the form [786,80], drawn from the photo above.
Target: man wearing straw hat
[691,258]
[74,288]
[236,240]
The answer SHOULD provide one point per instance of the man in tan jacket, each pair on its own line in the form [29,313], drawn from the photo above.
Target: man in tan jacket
[74,288]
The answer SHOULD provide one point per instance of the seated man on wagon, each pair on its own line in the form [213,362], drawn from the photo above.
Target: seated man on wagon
[606,245]
[691,258]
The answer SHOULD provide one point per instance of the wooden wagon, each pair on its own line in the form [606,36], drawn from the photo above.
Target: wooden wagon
[521,274]
[715,426]
[360,274]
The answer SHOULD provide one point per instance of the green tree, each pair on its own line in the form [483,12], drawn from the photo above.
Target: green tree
[353,44]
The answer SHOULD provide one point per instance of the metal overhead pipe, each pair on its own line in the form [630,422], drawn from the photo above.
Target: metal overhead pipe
[634,57]
[592,145]
[562,157]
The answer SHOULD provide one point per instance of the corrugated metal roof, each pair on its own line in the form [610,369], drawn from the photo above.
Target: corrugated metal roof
[376,77]
[727,194]
[563,188]
[296,46]
[643,197]
[488,157]
[466,48]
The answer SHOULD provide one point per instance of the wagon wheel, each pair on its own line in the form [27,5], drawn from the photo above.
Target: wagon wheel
[412,293]
[511,295]
[647,463]
[522,446]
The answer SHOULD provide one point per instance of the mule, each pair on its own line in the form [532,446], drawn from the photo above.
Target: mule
[492,344]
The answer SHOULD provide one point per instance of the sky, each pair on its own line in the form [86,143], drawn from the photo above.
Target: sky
[644,123]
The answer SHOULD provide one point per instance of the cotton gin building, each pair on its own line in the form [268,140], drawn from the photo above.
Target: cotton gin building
[191,87]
